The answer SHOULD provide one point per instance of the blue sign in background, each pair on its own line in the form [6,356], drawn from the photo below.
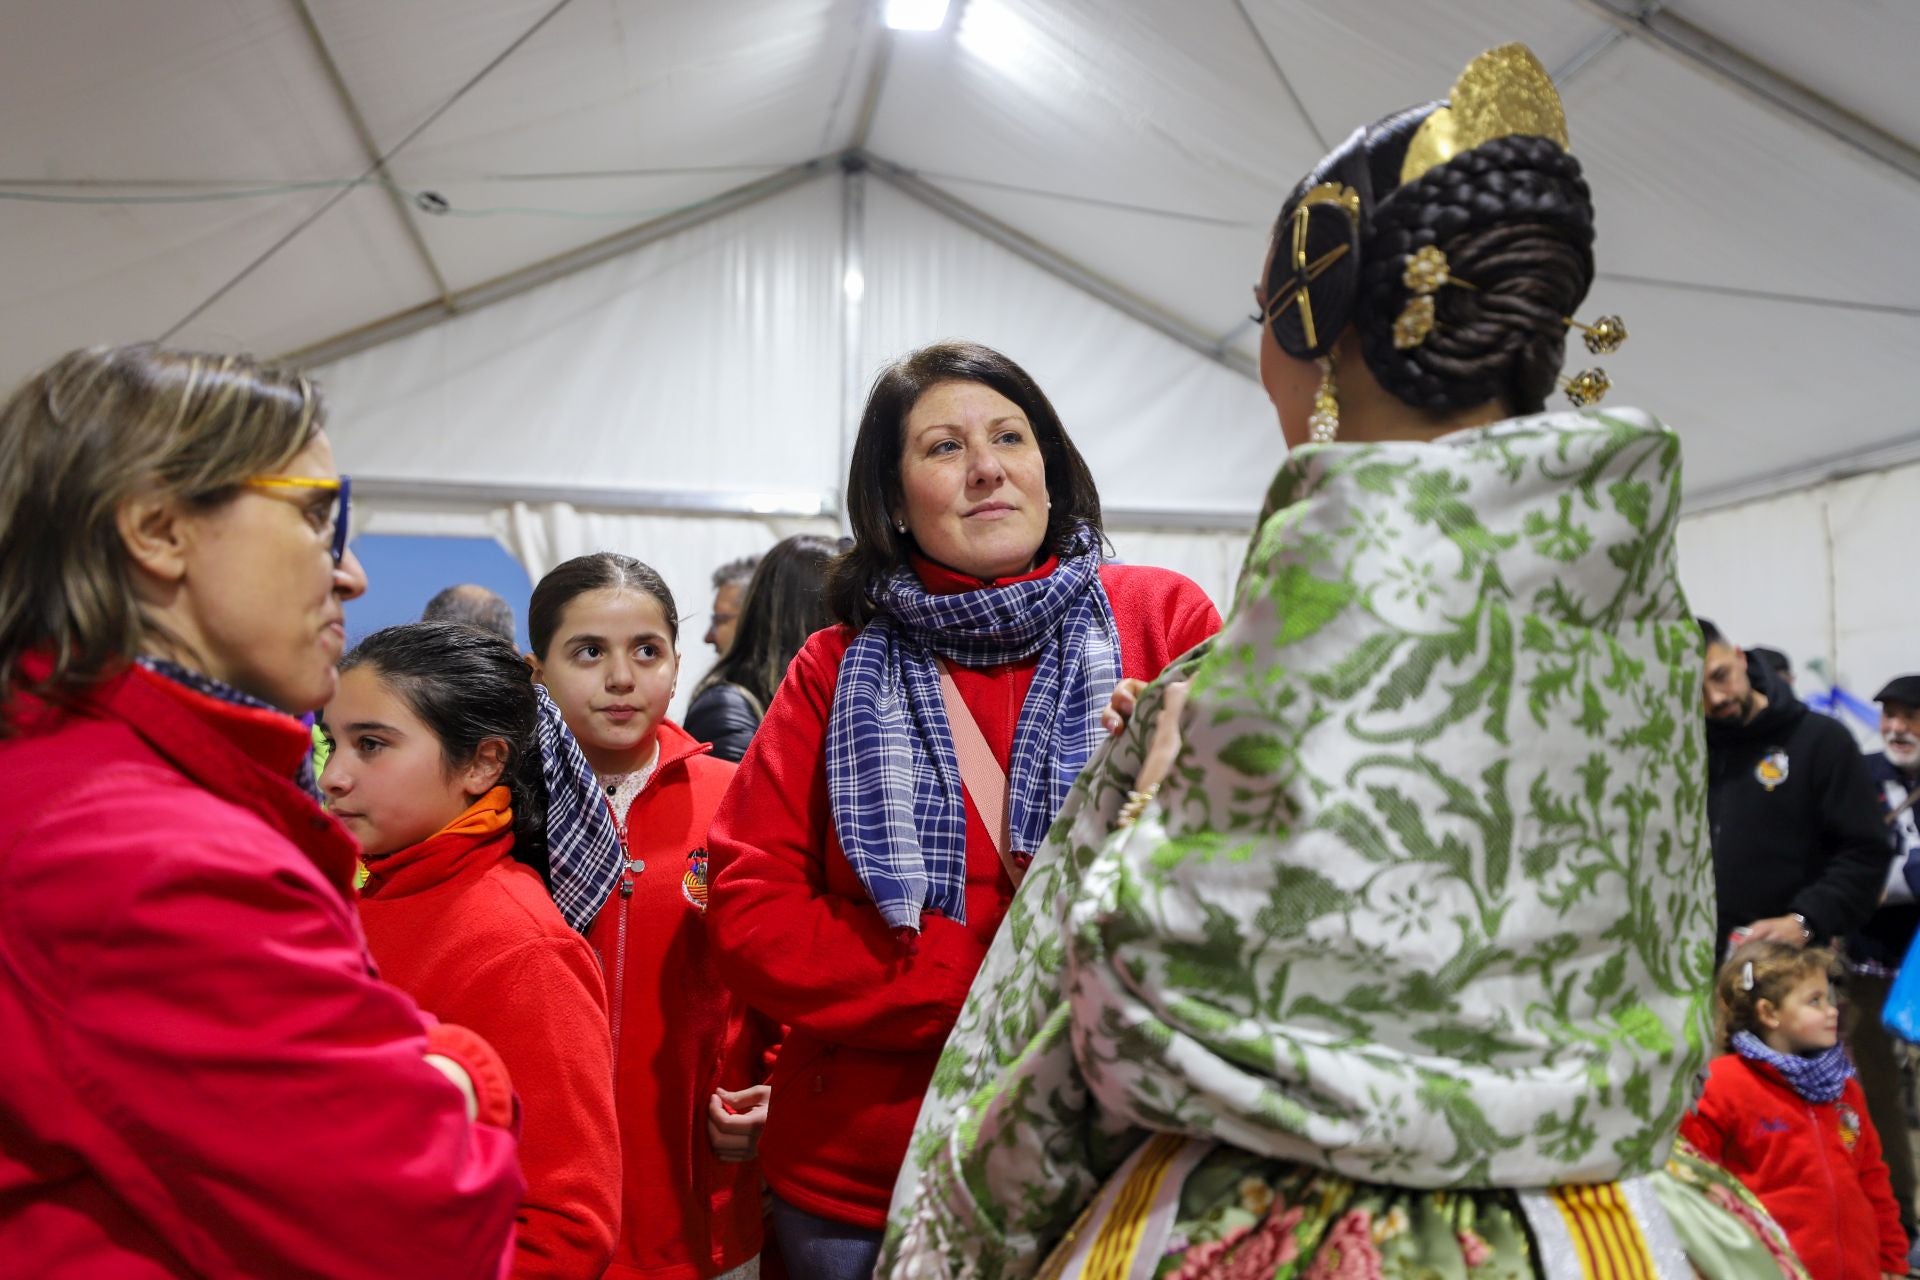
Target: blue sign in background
[404,572]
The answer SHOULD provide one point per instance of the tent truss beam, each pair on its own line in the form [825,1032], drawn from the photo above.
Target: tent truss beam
[351,107]
[1733,66]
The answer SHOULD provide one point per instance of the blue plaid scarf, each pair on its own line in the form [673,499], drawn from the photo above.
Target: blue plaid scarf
[583,844]
[1820,1078]
[221,691]
[892,774]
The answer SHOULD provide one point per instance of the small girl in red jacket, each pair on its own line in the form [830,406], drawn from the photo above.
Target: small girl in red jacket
[435,770]
[688,1057]
[1783,1113]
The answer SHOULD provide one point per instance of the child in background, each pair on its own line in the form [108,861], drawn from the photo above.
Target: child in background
[1783,1113]
[688,1057]
[434,769]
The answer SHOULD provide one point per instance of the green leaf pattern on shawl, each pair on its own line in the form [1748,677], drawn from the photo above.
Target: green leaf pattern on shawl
[1426,897]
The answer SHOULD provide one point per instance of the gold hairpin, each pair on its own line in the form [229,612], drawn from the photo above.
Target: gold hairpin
[1589,386]
[1427,271]
[1305,273]
[1603,336]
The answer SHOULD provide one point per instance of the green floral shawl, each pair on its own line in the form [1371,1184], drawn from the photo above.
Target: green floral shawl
[1425,899]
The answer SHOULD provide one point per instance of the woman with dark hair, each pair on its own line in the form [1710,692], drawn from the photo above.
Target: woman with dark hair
[784,604]
[435,767]
[910,760]
[200,1072]
[1379,942]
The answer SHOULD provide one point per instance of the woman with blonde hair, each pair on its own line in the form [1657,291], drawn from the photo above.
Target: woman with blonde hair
[203,1075]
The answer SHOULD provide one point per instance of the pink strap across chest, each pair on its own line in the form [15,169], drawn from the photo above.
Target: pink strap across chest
[980,772]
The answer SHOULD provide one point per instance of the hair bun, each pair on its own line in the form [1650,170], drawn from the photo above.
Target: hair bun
[1310,293]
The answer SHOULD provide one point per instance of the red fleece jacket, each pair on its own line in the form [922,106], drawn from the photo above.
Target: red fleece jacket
[1816,1166]
[678,1033]
[200,1074]
[800,939]
[473,936]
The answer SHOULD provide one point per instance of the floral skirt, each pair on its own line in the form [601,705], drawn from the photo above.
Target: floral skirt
[1180,1209]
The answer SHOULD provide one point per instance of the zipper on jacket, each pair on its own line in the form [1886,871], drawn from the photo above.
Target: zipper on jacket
[1833,1190]
[619,993]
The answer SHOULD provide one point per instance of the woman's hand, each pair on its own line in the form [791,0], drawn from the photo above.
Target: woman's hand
[1126,695]
[734,1121]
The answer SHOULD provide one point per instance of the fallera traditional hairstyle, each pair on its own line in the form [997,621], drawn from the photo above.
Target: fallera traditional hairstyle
[785,603]
[468,685]
[595,572]
[873,480]
[81,437]
[1777,968]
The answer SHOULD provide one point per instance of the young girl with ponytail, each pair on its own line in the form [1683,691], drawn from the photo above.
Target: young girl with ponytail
[1783,1113]
[436,771]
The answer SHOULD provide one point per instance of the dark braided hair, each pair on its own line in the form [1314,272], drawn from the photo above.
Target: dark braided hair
[1515,219]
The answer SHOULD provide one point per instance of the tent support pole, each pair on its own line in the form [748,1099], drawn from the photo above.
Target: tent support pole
[853,288]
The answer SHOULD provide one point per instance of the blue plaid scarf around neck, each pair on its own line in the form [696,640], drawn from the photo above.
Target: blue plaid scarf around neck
[1820,1078]
[892,775]
[583,843]
[221,691]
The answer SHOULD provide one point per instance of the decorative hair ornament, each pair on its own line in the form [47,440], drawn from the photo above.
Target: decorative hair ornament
[1589,386]
[1746,976]
[1304,273]
[1503,92]
[1604,336]
[1323,424]
[1426,272]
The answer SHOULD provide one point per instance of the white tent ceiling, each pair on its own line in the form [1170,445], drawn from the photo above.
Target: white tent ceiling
[246,173]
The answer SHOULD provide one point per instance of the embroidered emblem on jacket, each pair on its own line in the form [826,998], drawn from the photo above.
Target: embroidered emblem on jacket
[694,883]
[1772,769]
[1849,1126]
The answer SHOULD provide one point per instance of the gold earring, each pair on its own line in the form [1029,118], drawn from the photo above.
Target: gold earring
[1323,424]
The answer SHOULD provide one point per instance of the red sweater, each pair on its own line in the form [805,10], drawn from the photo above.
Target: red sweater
[473,935]
[678,1034]
[1816,1166]
[801,941]
[201,1074]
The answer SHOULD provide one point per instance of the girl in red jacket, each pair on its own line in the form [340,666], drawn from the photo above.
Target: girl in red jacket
[434,768]
[687,1057]
[1783,1113]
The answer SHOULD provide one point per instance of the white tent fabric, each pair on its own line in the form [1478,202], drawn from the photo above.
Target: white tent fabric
[596,252]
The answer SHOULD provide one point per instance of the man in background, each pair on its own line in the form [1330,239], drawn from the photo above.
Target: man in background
[1799,845]
[1874,953]
[729,592]
[474,605]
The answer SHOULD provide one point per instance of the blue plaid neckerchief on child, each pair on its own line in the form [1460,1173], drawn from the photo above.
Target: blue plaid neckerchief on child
[1820,1078]
[221,691]
[583,845]
[892,774]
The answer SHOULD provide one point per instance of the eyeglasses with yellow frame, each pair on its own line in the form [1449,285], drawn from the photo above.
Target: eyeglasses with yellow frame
[340,486]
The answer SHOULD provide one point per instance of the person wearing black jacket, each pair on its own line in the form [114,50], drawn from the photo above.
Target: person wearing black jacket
[1800,850]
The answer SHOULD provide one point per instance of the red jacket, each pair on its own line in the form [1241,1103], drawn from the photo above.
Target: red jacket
[801,940]
[473,935]
[678,1033]
[1816,1166]
[202,1075]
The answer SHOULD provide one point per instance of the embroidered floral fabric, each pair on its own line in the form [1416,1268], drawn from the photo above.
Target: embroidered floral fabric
[1426,899]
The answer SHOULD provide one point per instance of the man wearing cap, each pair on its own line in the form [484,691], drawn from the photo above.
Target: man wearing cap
[1800,848]
[1875,952]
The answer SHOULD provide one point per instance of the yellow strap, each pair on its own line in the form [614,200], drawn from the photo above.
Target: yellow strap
[1606,1234]
[1111,1257]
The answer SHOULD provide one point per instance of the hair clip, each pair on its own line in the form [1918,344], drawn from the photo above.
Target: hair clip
[1589,386]
[1746,976]
[1427,272]
[1604,336]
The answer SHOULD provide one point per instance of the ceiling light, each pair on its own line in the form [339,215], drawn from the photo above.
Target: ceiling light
[916,15]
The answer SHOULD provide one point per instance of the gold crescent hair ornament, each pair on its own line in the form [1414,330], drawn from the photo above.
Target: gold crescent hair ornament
[1503,92]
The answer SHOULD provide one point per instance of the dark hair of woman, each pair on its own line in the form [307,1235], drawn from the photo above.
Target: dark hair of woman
[786,602]
[469,685]
[595,572]
[873,480]
[1514,218]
